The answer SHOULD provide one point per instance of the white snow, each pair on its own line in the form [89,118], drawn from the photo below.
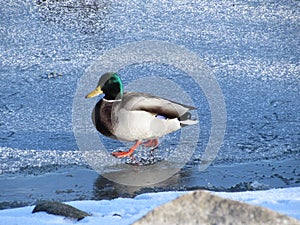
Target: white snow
[127,210]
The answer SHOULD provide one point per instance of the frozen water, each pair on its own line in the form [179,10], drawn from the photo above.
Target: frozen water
[251,47]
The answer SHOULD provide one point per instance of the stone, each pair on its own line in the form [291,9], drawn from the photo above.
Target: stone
[60,209]
[202,207]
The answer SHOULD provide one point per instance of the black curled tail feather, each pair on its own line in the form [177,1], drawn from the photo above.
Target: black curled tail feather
[185,116]
[186,120]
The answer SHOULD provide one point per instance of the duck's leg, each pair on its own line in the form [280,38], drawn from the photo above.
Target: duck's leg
[122,154]
[151,143]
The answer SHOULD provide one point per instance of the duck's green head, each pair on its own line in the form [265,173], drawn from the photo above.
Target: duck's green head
[111,85]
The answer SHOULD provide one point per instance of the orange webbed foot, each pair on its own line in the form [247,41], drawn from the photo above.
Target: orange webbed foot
[123,154]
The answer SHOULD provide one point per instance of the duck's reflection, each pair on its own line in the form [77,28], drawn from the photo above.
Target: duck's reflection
[129,180]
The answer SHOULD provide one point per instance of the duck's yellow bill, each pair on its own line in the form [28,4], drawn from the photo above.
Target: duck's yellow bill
[95,93]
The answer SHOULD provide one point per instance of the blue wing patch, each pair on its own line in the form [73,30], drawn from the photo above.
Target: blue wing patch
[160,117]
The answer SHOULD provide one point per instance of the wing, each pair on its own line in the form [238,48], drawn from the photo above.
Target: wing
[153,104]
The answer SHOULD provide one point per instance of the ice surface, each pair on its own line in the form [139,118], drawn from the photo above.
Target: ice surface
[252,47]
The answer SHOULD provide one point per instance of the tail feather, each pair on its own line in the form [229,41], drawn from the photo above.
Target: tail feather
[186,120]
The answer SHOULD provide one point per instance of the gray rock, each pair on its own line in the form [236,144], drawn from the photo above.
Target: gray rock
[201,207]
[60,209]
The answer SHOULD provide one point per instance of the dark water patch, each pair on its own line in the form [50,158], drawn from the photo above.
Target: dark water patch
[60,184]
[67,183]
[83,16]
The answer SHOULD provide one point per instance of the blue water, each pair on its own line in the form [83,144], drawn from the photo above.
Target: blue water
[251,47]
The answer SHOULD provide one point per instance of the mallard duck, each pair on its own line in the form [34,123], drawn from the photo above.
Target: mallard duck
[135,117]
